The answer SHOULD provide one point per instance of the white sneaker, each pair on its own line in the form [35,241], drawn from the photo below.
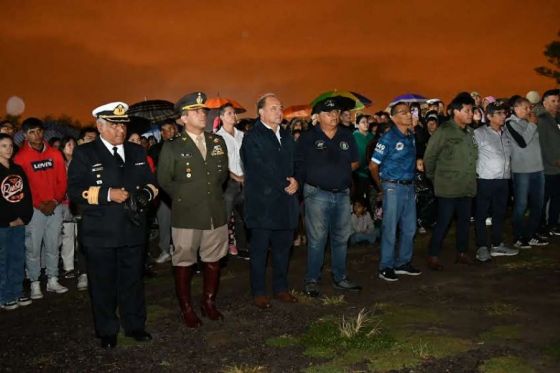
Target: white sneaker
[36,292]
[54,286]
[488,222]
[163,258]
[82,282]
[503,250]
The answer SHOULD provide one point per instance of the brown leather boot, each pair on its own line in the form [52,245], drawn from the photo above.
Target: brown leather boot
[434,263]
[183,277]
[210,289]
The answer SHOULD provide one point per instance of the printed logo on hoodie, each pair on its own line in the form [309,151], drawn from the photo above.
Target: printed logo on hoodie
[12,188]
[42,165]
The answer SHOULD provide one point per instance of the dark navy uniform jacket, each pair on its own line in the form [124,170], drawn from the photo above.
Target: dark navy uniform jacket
[107,224]
[267,163]
[326,163]
[395,153]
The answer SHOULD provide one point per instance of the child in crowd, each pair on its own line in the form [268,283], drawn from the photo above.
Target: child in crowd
[363,229]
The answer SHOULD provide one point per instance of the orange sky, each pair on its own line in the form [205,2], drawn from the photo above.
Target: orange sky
[71,56]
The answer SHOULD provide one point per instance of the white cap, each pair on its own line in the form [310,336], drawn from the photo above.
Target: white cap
[533,97]
[112,112]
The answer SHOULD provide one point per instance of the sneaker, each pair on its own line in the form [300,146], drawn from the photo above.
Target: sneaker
[488,222]
[407,269]
[36,290]
[24,301]
[522,244]
[8,306]
[482,254]
[347,285]
[421,230]
[69,274]
[538,241]
[54,286]
[243,254]
[542,236]
[503,250]
[82,282]
[297,241]
[312,289]
[388,274]
[554,231]
[163,258]
[233,250]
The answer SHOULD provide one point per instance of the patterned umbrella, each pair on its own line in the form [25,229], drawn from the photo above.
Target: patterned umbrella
[358,106]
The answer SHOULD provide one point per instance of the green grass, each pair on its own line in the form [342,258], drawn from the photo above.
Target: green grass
[285,340]
[502,332]
[506,364]
[501,309]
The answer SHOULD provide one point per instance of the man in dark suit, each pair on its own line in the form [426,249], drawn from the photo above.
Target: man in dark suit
[271,205]
[112,183]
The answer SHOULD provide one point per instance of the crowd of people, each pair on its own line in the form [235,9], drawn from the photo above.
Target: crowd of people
[82,208]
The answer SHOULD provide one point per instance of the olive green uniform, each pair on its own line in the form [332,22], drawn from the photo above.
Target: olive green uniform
[198,214]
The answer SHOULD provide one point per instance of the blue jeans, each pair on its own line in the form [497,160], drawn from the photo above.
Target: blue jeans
[399,210]
[43,232]
[528,191]
[326,214]
[368,237]
[280,243]
[12,254]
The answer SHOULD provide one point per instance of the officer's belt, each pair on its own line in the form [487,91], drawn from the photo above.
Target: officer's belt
[403,182]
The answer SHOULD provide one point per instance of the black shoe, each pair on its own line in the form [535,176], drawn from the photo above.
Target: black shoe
[407,269]
[554,231]
[139,335]
[311,289]
[347,285]
[149,272]
[109,342]
[538,240]
[388,274]
[243,254]
[69,274]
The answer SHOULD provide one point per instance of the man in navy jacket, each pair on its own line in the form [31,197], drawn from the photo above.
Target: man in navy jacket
[271,205]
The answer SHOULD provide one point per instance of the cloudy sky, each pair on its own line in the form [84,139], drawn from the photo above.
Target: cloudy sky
[70,56]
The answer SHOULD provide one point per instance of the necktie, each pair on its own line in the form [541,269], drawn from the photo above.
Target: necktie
[201,145]
[117,157]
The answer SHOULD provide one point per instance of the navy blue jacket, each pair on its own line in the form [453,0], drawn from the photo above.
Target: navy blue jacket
[267,164]
[107,224]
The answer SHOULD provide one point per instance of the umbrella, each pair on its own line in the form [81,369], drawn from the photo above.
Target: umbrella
[363,99]
[359,105]
[138,125]
[297,111]
[408,97]
[155,111]
[218,102]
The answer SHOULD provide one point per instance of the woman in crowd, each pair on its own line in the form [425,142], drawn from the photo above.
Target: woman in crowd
[17,209]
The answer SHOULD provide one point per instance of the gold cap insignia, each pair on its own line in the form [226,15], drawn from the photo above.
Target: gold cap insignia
[119,110]
[199,99]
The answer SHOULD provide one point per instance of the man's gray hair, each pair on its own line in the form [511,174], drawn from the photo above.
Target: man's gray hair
[262,101]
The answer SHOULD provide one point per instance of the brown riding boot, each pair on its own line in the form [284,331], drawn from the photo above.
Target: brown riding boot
[210,289]
[183,277]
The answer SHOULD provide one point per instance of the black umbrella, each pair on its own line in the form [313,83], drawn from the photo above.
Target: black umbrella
[155,111]
[138,125]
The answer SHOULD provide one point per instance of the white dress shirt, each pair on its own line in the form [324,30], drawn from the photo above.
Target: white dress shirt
[233,144]
[109,146]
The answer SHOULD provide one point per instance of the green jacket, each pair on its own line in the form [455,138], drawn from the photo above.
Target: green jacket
[450,161]
[194,184]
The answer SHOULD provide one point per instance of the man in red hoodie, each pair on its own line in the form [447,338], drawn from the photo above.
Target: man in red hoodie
[44,167]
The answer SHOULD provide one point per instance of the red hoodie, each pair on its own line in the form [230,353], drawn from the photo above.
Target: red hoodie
[46,172]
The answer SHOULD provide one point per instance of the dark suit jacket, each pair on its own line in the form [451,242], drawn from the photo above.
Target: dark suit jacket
[107,224]
[267,164]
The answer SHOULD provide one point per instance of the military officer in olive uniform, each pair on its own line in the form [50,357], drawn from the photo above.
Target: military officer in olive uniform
[110,180]
[191,169]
